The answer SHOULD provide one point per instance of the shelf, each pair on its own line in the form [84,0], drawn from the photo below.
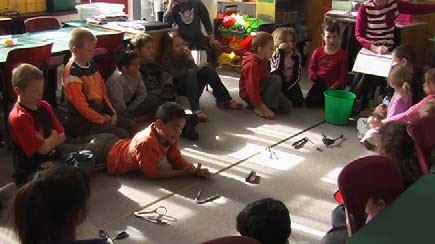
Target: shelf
[236,2]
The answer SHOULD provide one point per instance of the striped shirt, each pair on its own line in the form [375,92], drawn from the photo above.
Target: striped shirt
[376,25]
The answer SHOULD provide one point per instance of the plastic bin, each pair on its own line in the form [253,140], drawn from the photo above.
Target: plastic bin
[93,9]
[338,106]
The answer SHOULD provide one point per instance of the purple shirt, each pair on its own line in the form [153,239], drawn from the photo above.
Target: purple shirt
[412,114]
[398,105]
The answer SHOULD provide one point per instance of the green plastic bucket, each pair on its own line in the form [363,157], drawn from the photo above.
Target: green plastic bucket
[338,106]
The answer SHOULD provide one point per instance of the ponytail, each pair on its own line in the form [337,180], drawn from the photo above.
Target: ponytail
[406,91]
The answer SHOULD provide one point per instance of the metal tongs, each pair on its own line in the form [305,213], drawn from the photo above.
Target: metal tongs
[156,216]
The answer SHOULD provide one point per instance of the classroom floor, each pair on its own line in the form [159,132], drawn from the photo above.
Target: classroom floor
[231,144]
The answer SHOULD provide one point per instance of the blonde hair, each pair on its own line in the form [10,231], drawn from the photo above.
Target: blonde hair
[281,34]
[79,36]
[24,74]
[140,40]
[400,76]
[428,110]
[261,39]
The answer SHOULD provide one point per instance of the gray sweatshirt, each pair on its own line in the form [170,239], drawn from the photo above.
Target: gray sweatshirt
[126,92]
[188,16]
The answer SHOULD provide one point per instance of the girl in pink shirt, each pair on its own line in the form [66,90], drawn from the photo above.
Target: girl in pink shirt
[412,113]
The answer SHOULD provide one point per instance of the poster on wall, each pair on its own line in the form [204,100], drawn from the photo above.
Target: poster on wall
[266,10]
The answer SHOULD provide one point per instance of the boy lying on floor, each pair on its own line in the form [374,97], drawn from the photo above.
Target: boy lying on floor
[148,148]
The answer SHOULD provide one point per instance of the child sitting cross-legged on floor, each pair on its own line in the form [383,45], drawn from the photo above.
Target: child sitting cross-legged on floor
[128,93]
[328,66]
[412,114]
[190,79]
[149,148]
[89,108]
[36,133]
[286,62]
[159,84]
[258,87]
[398,79]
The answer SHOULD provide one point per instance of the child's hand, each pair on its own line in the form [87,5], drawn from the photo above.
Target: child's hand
[188,53]
[107,118]
[264,112]
[379,49]
[283,45]
[200,66]
[39,136]
[214,43]
[114,120]
[203,173]
[381,109]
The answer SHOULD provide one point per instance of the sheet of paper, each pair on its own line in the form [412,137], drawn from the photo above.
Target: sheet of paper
[368,62]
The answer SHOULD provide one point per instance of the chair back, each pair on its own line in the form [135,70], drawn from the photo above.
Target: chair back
[42,23]
[364,178]
[422,132]
[38,56]
[111,43]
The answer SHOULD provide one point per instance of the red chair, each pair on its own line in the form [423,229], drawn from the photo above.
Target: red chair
[42,23]
[106,61]
[423,133]
[38,56]
[233,240]
[364,178]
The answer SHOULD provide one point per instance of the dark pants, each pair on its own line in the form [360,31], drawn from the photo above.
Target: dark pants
[99,144]
[203,43]
[77,125]
[273,98]
[315,97]
[193,82]
[294,94]
[364,86]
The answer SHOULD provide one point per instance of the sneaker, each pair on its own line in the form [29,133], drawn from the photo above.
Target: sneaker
[231,104]
[202,117]
[189,131]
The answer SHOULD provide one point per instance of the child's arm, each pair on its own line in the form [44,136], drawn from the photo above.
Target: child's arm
[343,66]
[169,16]
[312,68]
[205,19]
[411,114]
[74,93]
[252,84]
[415,8]
[277,62]
[360,27]
[51,142]
[297,69]
[116,91]
[141,94]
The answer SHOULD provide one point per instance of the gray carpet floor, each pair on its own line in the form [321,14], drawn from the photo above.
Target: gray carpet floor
[231,144]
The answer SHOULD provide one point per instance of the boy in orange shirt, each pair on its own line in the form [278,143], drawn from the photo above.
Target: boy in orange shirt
[89,108]
[148,148]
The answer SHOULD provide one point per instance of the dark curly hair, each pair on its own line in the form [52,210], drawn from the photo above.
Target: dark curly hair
[396,144]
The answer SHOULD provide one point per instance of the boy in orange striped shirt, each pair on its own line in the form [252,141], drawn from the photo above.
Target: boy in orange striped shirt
[89,108]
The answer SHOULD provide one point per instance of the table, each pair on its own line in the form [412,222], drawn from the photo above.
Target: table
[409,219]
[409,33]
[59,38]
